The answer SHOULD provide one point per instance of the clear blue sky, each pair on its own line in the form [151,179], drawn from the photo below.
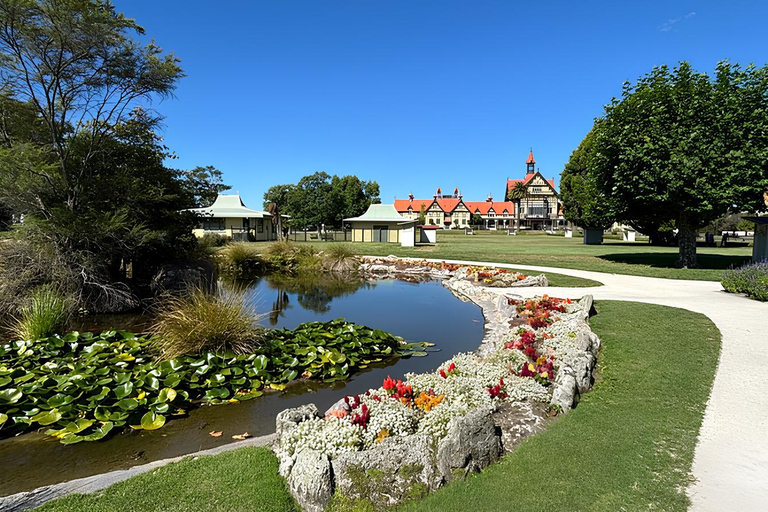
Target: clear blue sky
[416,94]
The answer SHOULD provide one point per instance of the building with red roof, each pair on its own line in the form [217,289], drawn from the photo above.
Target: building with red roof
[529,203]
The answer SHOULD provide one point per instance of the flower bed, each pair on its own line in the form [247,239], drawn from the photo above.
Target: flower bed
[522,365]
[412,269]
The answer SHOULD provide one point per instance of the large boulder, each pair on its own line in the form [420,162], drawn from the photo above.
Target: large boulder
[398,469]
[518,420]
[311,480]
[473,443]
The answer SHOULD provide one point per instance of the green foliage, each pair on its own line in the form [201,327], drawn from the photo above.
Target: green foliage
[323,199]
[209,240]
[682,146]
[45,314]
[84,164]
[289,257]
[201,322]
[240,260]
[750,279]
[83,386]
[475,220]
[584,203]
[423,215]
[204,184]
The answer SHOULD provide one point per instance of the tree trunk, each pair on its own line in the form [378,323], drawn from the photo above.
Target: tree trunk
[686,240]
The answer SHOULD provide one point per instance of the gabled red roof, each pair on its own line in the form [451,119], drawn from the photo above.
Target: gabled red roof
[401,205]
[483,207]
[448,204]
[530,160]
[528,177]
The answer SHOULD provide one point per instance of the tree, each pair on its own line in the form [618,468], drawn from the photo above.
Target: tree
[85,163]
[321,199]
[423,214]
[204,183]
[476,219]
[517,194]
[682,146]
[584,203]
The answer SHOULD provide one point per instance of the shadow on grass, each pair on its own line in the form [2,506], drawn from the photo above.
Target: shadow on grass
[667,260]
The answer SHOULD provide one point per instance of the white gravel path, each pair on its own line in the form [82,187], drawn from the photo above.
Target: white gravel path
[730,464]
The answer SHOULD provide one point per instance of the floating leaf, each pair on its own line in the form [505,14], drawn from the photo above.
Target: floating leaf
[215,433]
[124,390]
[10,395]
[152,421]
[47,417]
[241,437]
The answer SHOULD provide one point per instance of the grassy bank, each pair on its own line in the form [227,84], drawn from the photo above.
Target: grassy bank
[613,256]
[243,479]
[628,445]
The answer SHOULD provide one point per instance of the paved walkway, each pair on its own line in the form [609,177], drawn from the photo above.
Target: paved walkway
[730,463]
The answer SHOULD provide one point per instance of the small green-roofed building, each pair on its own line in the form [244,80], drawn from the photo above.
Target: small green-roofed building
[228,216]
[382,223]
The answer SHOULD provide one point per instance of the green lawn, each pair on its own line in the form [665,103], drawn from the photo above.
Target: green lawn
[240,480]
[613,256]
[627,446]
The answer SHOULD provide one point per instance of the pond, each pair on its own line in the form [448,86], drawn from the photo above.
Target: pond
[416,311]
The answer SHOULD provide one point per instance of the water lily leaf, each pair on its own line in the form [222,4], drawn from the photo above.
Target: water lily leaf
[260,362]
[289,375]
[78,425]
[172,381]
[127,404]
[71,438]
[100,432]
[3,419]
[59,399]
[152,382]
[152,421]
[161,408]
[167,395]
[47,417]
[10,395]
[101,414]
[123,390]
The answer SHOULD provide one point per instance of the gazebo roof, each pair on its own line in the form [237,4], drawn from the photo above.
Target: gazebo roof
[382,213]
[229,206]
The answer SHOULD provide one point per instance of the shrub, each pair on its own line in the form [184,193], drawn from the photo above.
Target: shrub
[46,313]
[750,279]
[202,322]
[213,240]
[340,258]
[241,259]
[290,257]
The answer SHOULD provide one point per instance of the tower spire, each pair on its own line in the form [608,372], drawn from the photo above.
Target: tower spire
[530,163]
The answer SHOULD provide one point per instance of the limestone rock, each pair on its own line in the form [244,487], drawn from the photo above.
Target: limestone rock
[398,469]
[289,418]
[473,443]
[311,480]
[518,420]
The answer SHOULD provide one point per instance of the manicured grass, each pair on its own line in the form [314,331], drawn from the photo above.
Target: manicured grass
[629,444]
[243,479]
[613,256]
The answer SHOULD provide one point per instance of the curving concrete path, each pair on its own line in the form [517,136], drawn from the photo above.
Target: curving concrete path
[730,464]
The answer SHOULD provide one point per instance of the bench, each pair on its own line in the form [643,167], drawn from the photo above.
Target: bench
[469,232]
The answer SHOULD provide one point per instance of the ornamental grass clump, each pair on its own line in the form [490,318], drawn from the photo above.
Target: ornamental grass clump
[340,258]
[202,322]
[750,279]
[290,257]
[46,313]
[240,260]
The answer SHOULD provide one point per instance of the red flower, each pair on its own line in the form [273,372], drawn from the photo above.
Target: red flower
[389,383]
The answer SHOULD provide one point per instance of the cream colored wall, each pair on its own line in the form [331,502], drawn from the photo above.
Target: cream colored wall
[363,231]
[237,223]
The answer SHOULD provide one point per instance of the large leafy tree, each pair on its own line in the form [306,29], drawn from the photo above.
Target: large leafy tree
[204,183]
[79,155]
[682,146]
[584,203]
[321,199]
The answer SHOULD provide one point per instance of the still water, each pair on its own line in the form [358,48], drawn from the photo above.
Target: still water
[415,311]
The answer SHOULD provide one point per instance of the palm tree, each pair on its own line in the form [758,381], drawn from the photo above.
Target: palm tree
[517,194]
